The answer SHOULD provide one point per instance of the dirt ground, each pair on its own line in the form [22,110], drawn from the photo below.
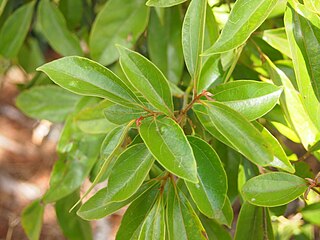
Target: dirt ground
[27,154]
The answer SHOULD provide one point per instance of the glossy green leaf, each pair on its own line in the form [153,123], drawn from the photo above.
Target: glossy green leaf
[230,160]
[280,159]
[182,221]
[15,30]
[251,98]
[311,213]
[121,114]
[73,227]
[92,120]
[86,77]
[72,168]
[153,226]
[313,5]
[108,153]
[214,230]
[147,79]
[54,28]
[253,223]
[211,74]
[168,144]
[129,172]
[164,43]
[277,39]
[315,147]
[225,215]
[99,205]
[212,28]
[117,23]
[47,102]
[235,131]
[241,24]
[135,215]
[73,11]
[193,30]
[31,219]
[210,193]
[293,107]
[273,189]
[303,31]
[164,3]
[30,50]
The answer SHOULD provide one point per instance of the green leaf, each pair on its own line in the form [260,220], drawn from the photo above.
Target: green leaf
[67,136]
[99,205]
[3,4]
[182,221]
[210,193]
[73,227]
[212,29]
[303,31]
[121,114]
[230,160]
[72,11]
[92,120]
[315,147]
[241,24]
[193,30]
[108,153]
[30,50]
[293,108]
[47,102]
[280,159]
[164,43]
[117,23]
[273,189]
[225,215]
[129,172]
[251,98]
[211,74]
[147,79]
[86,77]
[31,219]
[214,230]
[164,3]
[72,168]
[234,130]
[313,5]
[109,150]
[168,144]
[15,30]
[311,213]
[135,215]
[277,39]
[153,226]
[253,223]
[54,28]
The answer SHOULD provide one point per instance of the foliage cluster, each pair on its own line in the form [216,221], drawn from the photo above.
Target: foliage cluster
[184,121]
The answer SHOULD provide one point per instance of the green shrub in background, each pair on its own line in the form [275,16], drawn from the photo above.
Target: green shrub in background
[183,122]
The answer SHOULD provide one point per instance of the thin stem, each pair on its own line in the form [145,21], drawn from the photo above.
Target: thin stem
[190,105]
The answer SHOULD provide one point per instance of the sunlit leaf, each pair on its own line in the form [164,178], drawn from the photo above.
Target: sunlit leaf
[273,189]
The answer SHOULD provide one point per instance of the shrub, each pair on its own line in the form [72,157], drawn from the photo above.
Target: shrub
[184,121]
